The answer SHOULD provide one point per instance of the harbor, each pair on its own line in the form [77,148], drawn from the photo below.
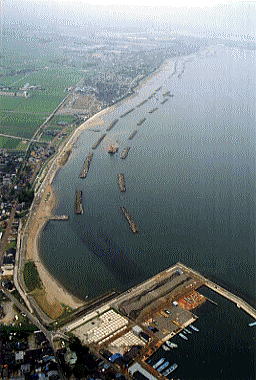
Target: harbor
[153,315]
[173,204]
[86,166]
[78,203]
[121,182]
[128,217]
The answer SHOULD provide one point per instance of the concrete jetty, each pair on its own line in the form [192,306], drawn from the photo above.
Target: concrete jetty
[99,141]
[132,134]
[86,166]
[59,217]
[111,125]
[78,202]
[240,303]
[125,152]
[128,217]
[121,182]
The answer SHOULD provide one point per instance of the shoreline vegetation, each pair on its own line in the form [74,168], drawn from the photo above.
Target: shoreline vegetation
[53,297]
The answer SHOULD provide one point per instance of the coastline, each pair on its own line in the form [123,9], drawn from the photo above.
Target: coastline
[55,295]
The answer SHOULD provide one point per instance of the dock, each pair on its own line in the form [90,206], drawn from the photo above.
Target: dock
[158,89]
[164,101]
[128,217]
[121,182]
[141,121]
[143,102]
[78,203]
[127,112]
[132,134]
[111,125]
[125,152]
[99,141]
[86,166]
[59,217]
[153,110]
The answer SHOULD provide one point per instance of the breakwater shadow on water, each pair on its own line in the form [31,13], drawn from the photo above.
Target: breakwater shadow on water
[117,259]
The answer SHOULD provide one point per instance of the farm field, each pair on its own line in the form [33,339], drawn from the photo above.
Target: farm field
[22,116]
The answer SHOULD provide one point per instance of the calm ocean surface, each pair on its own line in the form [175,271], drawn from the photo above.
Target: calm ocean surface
[190,179]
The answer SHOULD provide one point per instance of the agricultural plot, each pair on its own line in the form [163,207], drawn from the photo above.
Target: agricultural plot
[19,124]
[27,61]
[8,143]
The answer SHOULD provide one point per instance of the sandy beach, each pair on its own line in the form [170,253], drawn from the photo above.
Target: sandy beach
[53,296]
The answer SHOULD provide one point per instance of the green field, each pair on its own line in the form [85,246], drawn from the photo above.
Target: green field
[8,143]
[31,276]
[19,124]
[22,116]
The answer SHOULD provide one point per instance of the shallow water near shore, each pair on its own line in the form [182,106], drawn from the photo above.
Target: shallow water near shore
[190,179]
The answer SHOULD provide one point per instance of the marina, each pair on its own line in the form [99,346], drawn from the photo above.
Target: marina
[99,141]
[121,182]
[86,166]
[112,124]
[125,152]
[170,369]
[132,134]
[128,217]
[78,203]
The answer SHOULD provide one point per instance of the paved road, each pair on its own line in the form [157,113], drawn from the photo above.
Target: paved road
[19,138]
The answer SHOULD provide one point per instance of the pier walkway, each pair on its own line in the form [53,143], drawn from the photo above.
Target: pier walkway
[240,303]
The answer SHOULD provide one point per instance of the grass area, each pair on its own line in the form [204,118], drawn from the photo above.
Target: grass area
[10,103]
[53,310]
[8,143]
[40,103]
[31,276]
[19,124]
[22,116]
[12,244]
[59,118]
